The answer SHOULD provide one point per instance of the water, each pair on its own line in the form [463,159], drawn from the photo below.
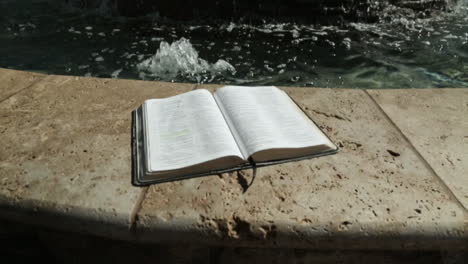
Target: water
[181,59]
[404,49]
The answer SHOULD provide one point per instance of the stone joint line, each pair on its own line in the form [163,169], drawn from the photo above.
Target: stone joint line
[39,79]
[137,207]
[420,156]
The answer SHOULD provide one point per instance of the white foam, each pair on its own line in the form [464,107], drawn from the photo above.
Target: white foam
[116,73]
[347,43]
[230,27]
[180,58]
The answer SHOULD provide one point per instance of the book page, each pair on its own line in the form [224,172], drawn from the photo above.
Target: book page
[185,130]
[266,118]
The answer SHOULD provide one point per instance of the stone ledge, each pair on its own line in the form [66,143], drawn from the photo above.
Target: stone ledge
[363,197]
[65,164]
[65,159]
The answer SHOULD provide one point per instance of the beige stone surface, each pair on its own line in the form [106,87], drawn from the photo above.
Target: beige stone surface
[12,81]
[65,152]
[375,193]
[65,163]
[436,122]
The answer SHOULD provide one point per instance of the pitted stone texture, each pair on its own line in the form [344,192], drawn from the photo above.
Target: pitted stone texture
[436,122]
[364,197]
[65,157]
[12,81]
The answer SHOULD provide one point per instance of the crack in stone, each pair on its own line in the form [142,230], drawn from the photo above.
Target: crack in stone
[330,115]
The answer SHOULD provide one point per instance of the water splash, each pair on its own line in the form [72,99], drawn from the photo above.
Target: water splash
[181,58]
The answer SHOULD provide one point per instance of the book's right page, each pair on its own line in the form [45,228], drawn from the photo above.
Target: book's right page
[268,125]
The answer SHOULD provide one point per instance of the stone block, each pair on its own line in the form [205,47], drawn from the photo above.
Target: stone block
[436,122]
[376,193]
[65,158]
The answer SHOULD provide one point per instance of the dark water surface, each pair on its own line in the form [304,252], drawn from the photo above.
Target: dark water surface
[403,50]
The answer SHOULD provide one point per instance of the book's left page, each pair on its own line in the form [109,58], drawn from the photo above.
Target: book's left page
[187,130]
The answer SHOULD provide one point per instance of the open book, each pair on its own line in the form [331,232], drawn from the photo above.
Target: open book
[199,133]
